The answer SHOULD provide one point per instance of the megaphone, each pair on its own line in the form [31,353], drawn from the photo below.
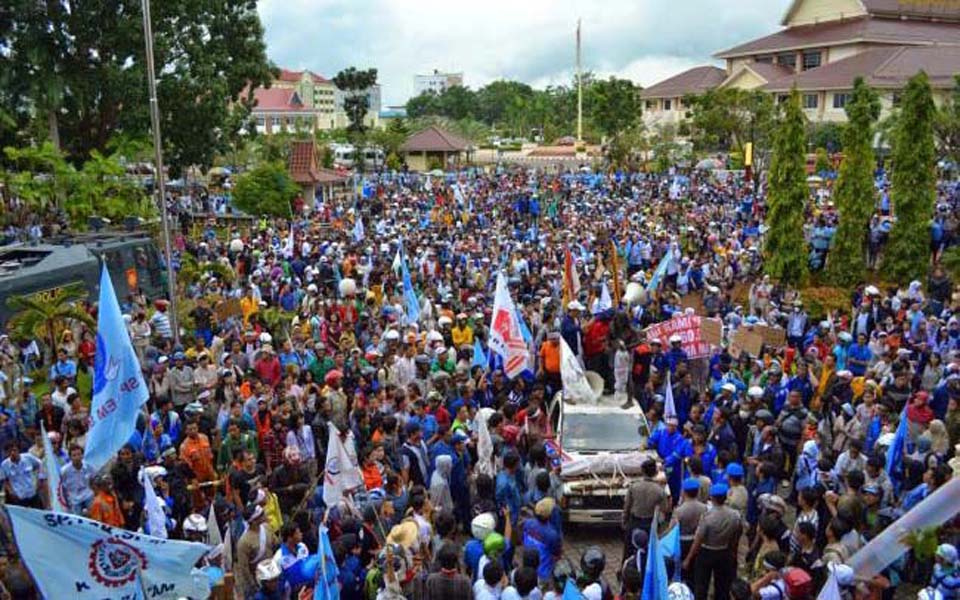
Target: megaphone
[635,294]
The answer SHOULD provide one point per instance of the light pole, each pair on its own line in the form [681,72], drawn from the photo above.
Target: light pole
[158,178]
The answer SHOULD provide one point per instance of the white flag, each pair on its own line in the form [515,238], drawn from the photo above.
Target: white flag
[213,528]
[288,247]
[575,384]
[484,443]
[831,589]
[669,406]
[75,557]
[341,471]
[604,302]
[506,337]
[358,231]
[153,506]
[57,500]
[397,262]
[227,550]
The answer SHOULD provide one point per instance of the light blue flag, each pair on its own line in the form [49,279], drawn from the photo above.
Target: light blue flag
[670,547]
[118,387]
[479,356]
[660,271]
[655,581]
[570,591]
[337,277]
[327,587]
[74,557]
[358,231]
[895,452]
[57,499]
[524,330]
[411,304]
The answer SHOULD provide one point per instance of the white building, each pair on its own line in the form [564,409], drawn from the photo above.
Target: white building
[436,82]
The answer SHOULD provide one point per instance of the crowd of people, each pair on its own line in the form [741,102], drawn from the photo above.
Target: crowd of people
[297,330]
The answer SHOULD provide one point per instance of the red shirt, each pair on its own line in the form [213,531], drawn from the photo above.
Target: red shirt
[268,369]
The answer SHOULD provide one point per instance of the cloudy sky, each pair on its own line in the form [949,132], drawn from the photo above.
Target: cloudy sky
[529,40]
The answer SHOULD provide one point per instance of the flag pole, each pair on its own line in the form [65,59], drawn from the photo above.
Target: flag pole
[159,180]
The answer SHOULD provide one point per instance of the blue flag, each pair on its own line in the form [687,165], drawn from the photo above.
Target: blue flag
[327,587]
[660,271]
[670,548]
[655,581]
[479,356]
[74,557]
[118,387]
[895,452]
[524,330]
[410,302]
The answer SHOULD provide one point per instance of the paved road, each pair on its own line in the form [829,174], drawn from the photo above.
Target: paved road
[577,538]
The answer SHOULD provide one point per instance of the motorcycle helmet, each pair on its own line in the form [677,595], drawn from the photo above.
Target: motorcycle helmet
[195,523]
[483,525]
[563,570]
[494,544]
[592,562]
[679,591]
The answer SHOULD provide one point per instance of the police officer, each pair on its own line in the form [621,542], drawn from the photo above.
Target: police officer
[688,516]
[643,497]
[715,547]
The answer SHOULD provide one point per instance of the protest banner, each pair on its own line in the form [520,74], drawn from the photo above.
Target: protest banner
[773,337]
[747,340]
[711,331]
[688,327]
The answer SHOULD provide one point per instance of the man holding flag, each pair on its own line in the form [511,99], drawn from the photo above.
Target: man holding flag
[118,386]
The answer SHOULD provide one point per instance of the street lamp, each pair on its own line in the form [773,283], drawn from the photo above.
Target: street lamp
[158,157]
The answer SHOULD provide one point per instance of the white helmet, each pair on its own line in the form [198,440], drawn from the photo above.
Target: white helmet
[929,594]
[196,523]
[755,391]
[679,591]
[482,525]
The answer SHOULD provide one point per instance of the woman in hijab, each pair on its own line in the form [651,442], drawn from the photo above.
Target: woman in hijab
[440,484]
[807,465]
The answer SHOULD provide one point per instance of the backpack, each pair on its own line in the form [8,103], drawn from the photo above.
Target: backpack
[799,584]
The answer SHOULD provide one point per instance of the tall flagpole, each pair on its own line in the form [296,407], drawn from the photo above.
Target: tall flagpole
[579,91]
[159,180]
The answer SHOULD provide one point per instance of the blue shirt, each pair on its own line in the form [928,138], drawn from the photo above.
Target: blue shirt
[23,475]
[545,539]
[858,352]
[508,494]
[63,368]
[472,551]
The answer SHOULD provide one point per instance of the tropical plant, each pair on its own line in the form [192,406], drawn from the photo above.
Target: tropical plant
[41,316]
[914,183]
[785,249]
[855,193]
[265,190]
[355,84]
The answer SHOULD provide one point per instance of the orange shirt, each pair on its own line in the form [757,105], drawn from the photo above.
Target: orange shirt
[198,455]
[550,357]
[106,509]
[372,478]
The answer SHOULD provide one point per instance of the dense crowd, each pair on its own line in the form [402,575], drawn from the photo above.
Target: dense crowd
[778,467]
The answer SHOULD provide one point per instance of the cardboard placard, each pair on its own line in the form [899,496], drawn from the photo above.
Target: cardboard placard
[711,331]
[228,308]
[748,340]
[774,337]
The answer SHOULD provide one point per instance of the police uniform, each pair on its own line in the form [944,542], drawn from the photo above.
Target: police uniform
[688,516]
[719,534]
[641,501]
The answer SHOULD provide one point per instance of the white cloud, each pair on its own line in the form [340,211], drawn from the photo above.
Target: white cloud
[529,40]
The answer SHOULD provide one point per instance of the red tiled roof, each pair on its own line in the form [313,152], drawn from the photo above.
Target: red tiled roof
[936,9]
[302,163]
[887,68]
[288,75]
[865,29]
[434,139]
[692,81]
[276,99]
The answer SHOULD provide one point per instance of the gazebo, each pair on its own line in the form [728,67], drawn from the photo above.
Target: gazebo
[306,171]
[434,146]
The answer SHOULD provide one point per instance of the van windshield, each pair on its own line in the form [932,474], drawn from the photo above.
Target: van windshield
[602,433]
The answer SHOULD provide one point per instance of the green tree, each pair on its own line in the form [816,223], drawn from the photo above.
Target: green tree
[616,105]
[355,85]
[43,315]
[948,125]
[825,135]
[855,193]
[265,190]
[423,104]
[81,71]
[914,183]
[729,118]
[102,188]
[822,163]
[785,250]
[42,176]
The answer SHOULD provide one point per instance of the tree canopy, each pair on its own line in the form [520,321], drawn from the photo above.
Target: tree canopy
[76,75]
[729,118]
[266,190]
[355,85]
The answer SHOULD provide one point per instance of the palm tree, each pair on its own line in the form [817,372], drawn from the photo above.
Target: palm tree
[41,315]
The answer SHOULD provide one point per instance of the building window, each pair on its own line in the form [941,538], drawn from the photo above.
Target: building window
[788,59]
[811,100]
[811,60]
[767,60]
[667,105]
[651,105]
[782,98]
[275,121]
[840,100]
[261,121]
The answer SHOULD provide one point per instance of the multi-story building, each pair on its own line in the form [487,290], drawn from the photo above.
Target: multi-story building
[373,107]
[822,47]
[436,82]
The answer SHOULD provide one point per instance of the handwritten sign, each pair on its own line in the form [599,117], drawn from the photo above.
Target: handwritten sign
[747,340]
[689,329]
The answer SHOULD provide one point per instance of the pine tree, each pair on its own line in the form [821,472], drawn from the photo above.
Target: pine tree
[914,183]
[855,195]
[785,250]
